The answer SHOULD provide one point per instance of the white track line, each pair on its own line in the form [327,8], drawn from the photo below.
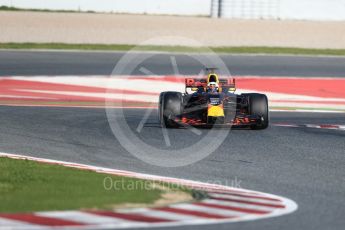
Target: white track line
[313,126]
[217,211]
[10,224]
[238,205]
[232,197]
[161,214]
[83,217]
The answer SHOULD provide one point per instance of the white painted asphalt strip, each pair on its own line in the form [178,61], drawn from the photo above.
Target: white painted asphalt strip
[217,211]
[10,224]
[239,193]
[161,214]
[237,205]
[26,97]
[109,82]
[335,127]
[238,198]
[314,126]
[235,191]
[82,217]
[119,96]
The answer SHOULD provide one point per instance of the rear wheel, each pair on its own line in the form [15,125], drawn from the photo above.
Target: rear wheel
[170,107]
[258,105]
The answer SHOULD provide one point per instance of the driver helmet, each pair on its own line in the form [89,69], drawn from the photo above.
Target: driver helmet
[212,86]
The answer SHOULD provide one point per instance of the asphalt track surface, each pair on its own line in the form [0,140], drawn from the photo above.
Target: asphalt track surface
[98,63]
[303,164]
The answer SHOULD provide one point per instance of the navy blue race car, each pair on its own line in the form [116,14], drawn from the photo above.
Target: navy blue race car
[211,101]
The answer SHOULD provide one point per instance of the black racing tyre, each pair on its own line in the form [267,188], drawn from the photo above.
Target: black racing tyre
[170,106]
[258,105]
[160,109]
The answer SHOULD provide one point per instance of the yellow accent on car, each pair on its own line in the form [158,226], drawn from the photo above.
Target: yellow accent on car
[232,89]
[215,111]
[214,76]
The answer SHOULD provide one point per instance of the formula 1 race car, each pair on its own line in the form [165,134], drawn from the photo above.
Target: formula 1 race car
[211,101]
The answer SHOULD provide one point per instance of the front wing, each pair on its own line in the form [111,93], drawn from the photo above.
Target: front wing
[238,121]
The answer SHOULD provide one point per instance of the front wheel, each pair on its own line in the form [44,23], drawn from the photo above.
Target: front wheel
[170,107]
[258,105]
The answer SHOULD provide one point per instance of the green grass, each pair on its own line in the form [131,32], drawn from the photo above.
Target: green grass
[279,50]
[63,46]
[27,186]
[10,8]
[186,49]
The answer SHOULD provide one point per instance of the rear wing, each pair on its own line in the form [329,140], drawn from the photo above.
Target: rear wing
[225,84]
